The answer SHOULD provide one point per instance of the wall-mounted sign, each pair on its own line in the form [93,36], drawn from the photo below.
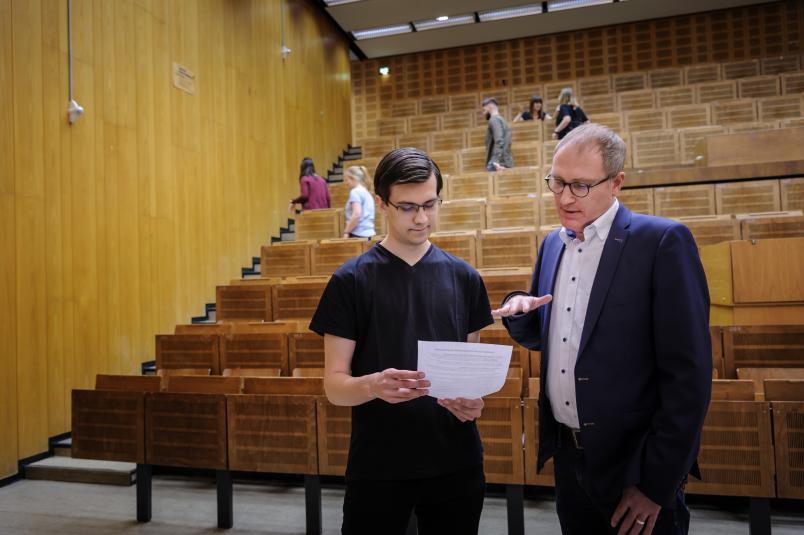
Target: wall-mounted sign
[184,79]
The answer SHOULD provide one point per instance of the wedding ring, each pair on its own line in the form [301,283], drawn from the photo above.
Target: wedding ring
[640,522]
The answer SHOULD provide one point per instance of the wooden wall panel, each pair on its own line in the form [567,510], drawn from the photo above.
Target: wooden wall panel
[121,226]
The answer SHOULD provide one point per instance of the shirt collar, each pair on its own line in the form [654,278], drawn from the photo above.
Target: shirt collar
[600,227]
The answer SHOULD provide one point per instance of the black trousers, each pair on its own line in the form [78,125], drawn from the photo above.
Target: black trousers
[581,514]
[444,505]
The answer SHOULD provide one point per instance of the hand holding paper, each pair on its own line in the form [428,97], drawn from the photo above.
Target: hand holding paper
[463,370]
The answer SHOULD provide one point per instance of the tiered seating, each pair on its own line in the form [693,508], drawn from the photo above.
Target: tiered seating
[319,224]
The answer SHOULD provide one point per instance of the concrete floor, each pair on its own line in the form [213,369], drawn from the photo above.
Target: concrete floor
[184,506]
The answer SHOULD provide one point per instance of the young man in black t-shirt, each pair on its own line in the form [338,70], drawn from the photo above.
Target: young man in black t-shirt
[408,451]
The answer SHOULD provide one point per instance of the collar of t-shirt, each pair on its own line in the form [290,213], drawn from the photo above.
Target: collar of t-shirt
[600,227]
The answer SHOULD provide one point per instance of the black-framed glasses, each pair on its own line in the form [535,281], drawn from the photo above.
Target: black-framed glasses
[411,208]
[579,189]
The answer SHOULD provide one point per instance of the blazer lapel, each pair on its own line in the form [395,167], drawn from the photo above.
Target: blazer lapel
[553,251]
[612,250]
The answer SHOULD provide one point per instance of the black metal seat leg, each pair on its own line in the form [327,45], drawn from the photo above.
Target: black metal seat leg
[312,504]
[515,503]
[759,518]
[143,492]
[223,480]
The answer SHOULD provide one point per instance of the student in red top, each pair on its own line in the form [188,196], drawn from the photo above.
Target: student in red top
[314,191]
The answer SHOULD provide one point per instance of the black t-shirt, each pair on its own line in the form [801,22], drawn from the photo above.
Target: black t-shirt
[386,306]
[576,115]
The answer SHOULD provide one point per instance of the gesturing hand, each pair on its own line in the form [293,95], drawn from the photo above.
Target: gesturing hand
[520,304]
[637,512]
[396,386]
[463,409]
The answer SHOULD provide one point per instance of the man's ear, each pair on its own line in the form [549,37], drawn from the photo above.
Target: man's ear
[380,203]
[617,182]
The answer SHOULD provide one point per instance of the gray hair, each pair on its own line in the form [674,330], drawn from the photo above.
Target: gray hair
[604,139]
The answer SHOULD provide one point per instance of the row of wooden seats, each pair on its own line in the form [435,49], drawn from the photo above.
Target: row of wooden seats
[649,139]
[714,103]
[517,197]
[266,349]
[282,425]
[786,68]
[732,116]
[293,299]
[756,347]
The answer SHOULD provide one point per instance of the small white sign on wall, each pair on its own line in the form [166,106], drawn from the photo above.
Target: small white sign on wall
[184,79]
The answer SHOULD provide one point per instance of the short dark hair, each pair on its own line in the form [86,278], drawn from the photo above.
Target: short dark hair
[404,166]
[490,100]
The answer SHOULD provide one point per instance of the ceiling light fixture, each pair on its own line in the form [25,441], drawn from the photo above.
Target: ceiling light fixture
[433,24]
[384,70]
[339,2]
[561,5]
[510,12]
[382,31]
[442,18]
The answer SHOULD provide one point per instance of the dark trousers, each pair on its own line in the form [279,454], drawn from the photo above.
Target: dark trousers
[444,505]
[582,514]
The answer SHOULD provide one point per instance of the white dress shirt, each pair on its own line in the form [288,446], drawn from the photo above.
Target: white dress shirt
[573,286]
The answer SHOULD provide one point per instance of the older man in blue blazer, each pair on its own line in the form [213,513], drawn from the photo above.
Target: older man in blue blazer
[619,308]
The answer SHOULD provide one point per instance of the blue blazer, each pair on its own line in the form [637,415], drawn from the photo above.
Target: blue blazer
[644,370]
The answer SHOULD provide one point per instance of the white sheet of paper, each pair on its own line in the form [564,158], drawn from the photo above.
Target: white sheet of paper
[463,370]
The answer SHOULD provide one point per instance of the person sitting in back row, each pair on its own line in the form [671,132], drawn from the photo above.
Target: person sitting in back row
[535,111]
[314,191]
[569,114]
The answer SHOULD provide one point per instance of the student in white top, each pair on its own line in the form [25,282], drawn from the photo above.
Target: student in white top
[360,206]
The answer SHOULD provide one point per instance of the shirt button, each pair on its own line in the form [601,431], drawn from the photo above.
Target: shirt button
[563,339]
[573,279]
[580,250]
[563,371]
[566,403]
[569,308]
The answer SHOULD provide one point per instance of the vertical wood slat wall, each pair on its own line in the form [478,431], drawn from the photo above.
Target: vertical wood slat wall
[757,31]
[120,226]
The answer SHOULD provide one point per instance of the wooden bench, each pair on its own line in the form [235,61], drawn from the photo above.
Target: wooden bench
[286,259]
[108,424]
[689,116]
[644,120]
[783,107]
[243,303]
[419,124]
[500,282]
[762,346]
[470,186]
[716,91]
[548,214]
[513,247]
[760,375]
[181,351]
[321,224]
[787,400]
[297,300]
[500,428]
[684,201]
[420,140]
[520,356]
[691,142]
[792,192]
[655,148]
[526,153]
[759,86]
[726,112]
[460,243]
[449,140]
[456,121]
[638,200]
[709,229]
[740,69]
[468,214]
[509,212]
[701,73]
[732,390]
[772,225]
[305,350]
[447,162]
[187,429]
[668,77]
[254,350]
[473,160]
[531,427]
[518,181]
[750,196]
[329,255]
